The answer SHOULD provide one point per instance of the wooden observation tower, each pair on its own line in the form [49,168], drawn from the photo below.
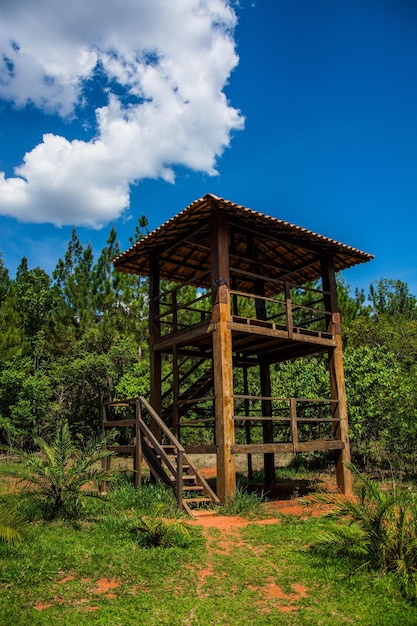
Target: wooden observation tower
[232,294]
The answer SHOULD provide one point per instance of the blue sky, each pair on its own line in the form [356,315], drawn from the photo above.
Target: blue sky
[305,110]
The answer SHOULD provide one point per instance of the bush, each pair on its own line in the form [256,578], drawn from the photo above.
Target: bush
[380,531]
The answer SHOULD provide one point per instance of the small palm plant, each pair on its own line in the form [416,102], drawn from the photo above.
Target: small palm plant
[57,477]
[380,531]
[152,531]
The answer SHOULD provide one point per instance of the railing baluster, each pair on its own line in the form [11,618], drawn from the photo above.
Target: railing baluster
[137,460]
[179,477]
[294,429]
[288,308]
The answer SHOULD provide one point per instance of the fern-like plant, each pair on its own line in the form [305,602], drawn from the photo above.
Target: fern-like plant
[57,477]
[13,525]
[152,531]
[380,530]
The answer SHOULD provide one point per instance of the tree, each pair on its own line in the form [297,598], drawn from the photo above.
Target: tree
[382,409]
[141,230]
[34,300]
[392,298]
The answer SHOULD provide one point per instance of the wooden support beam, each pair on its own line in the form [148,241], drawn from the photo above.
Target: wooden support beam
[154,334]
[302,446]
[222,358]
[176,393]
[265,382]
[337,379]
[247,425]
[137,456]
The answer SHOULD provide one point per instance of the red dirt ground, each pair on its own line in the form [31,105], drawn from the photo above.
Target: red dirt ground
[270,596]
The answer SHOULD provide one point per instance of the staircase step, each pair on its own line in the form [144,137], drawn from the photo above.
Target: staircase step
[195,500]
[197,513]
[192,488]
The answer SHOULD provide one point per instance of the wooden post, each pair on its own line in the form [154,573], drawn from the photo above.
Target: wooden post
[288,309]
[222,358]
[179,483]
[247,422]
[337,378]
[137,458]
[265,380]
[105,462]
[294,425]
[267,425]
[154,333]
[176,393]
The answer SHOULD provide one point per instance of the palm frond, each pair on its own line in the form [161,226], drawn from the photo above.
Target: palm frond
[13,525]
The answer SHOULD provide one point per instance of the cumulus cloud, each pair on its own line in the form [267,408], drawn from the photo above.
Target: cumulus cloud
[163,65]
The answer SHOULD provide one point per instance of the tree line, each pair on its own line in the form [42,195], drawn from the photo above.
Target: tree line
[78,338]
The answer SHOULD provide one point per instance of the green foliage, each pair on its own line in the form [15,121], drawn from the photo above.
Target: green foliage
[13,524]
[56,575]
[124,495]
[243,503]
[380,531]
[153,531]
[72,341]
[57,477]
[392,297]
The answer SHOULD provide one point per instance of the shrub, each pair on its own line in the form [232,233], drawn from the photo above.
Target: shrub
[380,531]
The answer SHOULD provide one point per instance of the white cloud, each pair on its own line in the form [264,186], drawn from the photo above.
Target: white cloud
[172,58]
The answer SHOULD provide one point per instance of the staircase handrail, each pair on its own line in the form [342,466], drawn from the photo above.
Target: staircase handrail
[155,417]
[174,441]
[155,443]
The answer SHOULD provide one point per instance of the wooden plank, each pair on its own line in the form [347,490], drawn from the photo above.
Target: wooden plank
[282,399]
[262,448]
[119,423]
[274,332]
[184,336]
[200,449]
[122,449]
[319,445]
[260,418]
[302,446]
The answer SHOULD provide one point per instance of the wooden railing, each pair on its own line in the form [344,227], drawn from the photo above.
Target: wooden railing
[177,311]
[288,310]
[283,312]
[158,446]
[284,411]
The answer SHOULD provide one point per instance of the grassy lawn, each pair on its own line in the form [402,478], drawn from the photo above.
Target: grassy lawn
[93,572]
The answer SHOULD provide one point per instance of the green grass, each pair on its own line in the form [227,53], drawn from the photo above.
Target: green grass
[248,505]
[260,574]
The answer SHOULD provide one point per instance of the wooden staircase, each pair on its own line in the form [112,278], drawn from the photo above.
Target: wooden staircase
[155,444]
[196,390]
